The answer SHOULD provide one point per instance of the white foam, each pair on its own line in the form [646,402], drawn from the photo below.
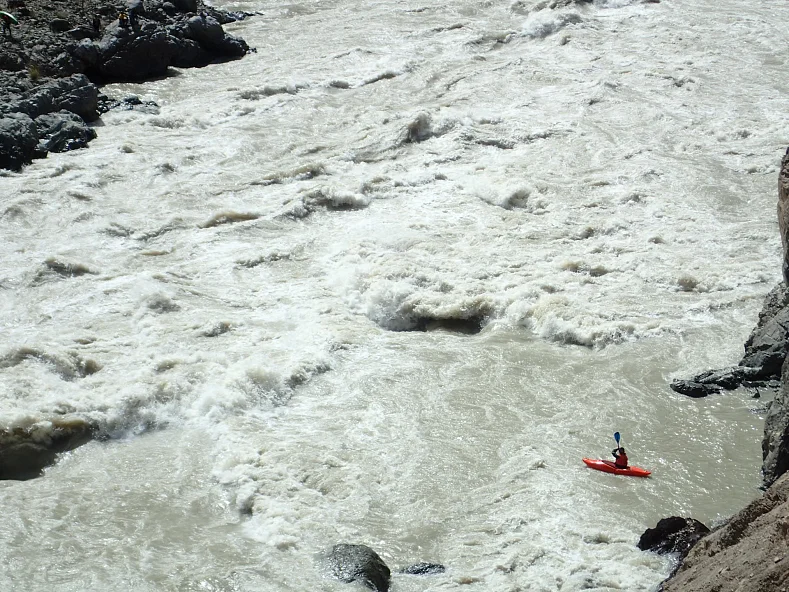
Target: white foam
[540,25]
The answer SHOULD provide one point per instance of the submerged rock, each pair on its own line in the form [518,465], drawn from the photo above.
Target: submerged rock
[359,563]
[424,569]
[24,452]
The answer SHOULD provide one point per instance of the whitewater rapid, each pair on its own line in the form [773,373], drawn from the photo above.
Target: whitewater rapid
[577,203]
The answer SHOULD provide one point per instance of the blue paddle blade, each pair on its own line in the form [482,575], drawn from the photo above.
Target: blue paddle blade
[616,437]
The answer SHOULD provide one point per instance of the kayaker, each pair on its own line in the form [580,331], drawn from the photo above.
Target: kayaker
[621,458]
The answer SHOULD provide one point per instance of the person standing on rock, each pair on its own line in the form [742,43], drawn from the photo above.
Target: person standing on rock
[7,20]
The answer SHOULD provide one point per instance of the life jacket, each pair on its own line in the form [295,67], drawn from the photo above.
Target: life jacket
[621,461]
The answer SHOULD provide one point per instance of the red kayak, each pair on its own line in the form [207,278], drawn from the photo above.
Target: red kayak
[608,466]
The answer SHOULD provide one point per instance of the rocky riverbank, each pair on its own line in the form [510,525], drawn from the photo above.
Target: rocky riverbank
[749,552]
[58,54]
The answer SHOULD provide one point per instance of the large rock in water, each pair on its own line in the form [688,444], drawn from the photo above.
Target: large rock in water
[63,131]
[673,535]
[126,55]
[18,140]
[359,563]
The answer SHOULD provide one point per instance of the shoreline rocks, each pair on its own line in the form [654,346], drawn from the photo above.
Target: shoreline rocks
[749,552]
[57,59]
[50,117]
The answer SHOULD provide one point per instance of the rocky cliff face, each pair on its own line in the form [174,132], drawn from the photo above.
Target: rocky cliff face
[749,552]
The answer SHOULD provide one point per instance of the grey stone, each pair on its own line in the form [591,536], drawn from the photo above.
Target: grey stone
[18,140]
[59,25]
[672,535]
[359,563]
[63,131]
[126,56]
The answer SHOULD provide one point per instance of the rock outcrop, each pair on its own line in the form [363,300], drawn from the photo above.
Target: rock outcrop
[51,116]
[749,552]
[673,535]
[775,445]
[765,351]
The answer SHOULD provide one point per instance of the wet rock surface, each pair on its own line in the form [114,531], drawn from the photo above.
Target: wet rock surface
[60,51]
[26,451]
[673,535]
[359,563]
[424,569]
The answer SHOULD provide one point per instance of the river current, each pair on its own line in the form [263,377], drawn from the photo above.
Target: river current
[386,281]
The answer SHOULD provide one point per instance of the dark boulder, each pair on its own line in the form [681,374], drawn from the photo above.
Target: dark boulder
[18,140]
[424,569]
[359,563]
[75,93]
[59,25]
[208,32]
[24,452]
[87,52]
[696,390]
[62,131]
[673,535]
[190,54]
[124,55]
